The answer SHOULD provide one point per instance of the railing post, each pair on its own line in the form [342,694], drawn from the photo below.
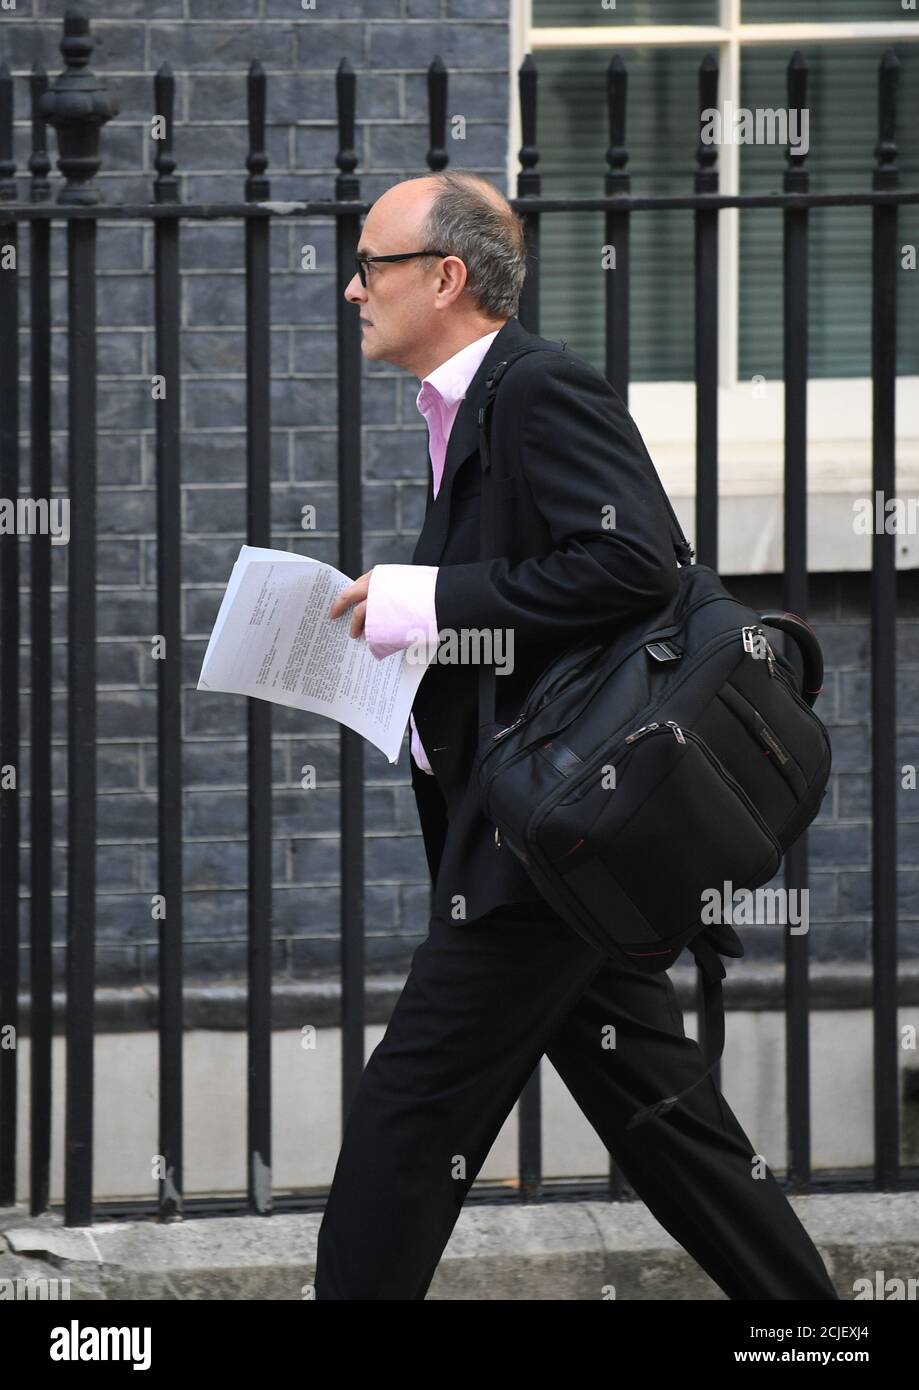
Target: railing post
[349,363]
[437,157]
[41,1019]
[706,348]
[10,748]
[77,106]
[885,264]
[529,184]
[795,372]
[618,229]
[706,231]
[167,313]
[260,767]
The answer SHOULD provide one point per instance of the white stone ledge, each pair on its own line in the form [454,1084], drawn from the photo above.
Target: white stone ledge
[751,468]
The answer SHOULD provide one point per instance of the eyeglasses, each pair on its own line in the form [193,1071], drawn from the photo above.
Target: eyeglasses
[364,261]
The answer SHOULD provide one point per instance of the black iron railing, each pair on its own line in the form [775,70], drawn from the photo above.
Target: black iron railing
[77,106]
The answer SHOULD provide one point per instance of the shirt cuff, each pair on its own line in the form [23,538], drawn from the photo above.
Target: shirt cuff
[400,608]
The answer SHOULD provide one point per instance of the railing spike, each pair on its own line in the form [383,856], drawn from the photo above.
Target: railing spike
[437,157]
[347,185]
[257,185]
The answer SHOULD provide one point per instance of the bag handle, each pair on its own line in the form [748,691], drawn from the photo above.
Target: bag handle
[488,548]
[808,645]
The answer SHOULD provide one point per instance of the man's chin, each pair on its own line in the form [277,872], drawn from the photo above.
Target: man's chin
[372,349]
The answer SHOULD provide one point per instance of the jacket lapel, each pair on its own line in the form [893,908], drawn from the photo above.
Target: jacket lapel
[464,440]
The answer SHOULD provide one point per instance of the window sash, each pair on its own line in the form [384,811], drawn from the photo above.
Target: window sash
[730,37]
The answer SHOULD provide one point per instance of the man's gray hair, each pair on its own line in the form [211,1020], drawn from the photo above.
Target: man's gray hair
[472,219]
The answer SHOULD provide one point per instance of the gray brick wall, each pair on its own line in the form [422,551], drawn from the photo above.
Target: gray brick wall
[209,44]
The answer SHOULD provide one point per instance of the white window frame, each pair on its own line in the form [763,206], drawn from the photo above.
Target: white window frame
[750,426]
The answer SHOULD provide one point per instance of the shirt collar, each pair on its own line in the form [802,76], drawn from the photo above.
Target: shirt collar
[451,379]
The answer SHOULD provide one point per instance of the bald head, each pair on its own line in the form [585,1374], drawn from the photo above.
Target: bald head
[415,197]
[417,313]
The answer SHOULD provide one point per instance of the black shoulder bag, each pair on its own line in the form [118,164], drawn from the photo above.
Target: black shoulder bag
[654,773]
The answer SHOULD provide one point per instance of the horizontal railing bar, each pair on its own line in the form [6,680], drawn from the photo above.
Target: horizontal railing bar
[491,1193]
[28,212]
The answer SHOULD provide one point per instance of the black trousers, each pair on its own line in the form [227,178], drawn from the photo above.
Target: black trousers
[482,1002]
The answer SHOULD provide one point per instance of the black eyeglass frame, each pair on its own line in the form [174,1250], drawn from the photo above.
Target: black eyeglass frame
[362,261]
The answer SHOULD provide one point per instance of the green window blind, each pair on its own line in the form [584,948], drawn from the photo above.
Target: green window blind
[581,13]
[842,106]
[661,135]
[827,11]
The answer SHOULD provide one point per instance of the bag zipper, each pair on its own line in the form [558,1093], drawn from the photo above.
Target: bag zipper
[681,735]
[709,650]
[731,781]
[536,695]
[527,714]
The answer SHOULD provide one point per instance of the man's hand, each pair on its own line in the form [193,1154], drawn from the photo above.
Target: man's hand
[355,593]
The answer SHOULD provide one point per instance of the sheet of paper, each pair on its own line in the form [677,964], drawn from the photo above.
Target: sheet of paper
[273,639]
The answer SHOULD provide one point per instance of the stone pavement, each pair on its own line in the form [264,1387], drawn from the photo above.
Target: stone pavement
[551,1250]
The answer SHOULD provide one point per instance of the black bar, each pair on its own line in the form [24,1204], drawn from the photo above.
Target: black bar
[81,719]
[488,1192]
[258,532]
[10,766]
[795,600]
[706,378]
[529,182]
[617,233]
[167,293]
[350,561]
[706,335]
[78,123]
[883,647]
[218,212]
[437,156]
[40,772]
[437,159]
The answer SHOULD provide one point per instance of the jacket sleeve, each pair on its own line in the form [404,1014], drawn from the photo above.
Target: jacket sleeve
[584,461]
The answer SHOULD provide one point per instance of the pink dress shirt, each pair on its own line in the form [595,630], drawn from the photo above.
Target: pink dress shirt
[400,598]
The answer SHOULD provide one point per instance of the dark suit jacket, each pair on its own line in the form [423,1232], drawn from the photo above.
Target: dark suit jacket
[569,449]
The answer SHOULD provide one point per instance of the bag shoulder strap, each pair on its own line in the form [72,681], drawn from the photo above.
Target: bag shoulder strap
[712,972]
[487,528]
[681,547]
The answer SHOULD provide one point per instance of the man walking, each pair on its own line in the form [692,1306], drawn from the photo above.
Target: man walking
[501,979]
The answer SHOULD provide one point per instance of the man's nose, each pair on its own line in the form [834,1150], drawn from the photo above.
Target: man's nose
[354,290]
